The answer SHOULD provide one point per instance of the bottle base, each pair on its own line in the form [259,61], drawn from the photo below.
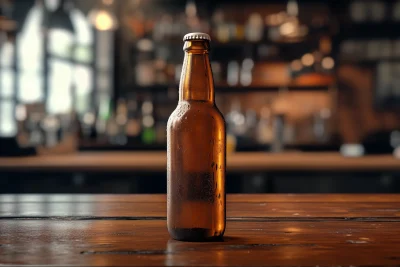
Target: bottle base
[195,235]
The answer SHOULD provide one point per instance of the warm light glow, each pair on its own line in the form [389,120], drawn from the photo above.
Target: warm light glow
[328,63]
[103,20]
[288,28]
[307,60]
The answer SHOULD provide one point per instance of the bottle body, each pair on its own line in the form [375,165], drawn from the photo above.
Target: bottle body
[196,160]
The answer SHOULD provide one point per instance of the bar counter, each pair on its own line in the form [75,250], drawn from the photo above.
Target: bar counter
[262,230]
[237,162]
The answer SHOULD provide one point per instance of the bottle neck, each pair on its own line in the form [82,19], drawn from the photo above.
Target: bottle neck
[196,79]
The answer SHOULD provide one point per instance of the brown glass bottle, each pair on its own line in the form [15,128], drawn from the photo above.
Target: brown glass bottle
[196,151]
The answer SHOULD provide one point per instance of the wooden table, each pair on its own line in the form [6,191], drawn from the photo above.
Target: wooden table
[262,230]
[237,162]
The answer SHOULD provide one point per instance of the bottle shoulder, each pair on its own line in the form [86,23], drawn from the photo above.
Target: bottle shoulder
[196,111]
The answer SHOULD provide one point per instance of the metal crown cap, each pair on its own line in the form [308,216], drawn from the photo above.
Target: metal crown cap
[197,36]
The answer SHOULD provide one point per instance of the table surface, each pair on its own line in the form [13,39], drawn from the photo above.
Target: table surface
[262,230]
[241,161]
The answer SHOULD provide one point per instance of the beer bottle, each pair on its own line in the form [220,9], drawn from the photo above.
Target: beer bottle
[196,151]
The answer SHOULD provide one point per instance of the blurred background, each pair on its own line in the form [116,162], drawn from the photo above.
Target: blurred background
[310,92]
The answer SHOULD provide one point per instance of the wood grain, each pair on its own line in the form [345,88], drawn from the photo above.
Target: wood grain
[244,161]
[270,210]
[262,230]
[150,198]
[147,243]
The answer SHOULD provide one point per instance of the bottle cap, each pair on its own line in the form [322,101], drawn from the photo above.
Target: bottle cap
[197,36]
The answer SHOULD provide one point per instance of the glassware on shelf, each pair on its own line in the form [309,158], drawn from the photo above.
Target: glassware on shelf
[236,120]
[50,125]
[88,124]
[233,73]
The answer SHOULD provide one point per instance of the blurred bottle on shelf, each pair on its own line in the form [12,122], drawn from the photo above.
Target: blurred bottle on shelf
[320,125]
[251,124]
[103,115]
[264,126]
[133,124]
[148,135]
[222,29]
[88,125]
[278,128]
[112,130]
[36,137]
[50,125]
[377,11]
[246,72]
[163,28]
[144,70]
[254,28]
[217,72]
[358,11]
[121,120]
[233,73]
[396,11]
